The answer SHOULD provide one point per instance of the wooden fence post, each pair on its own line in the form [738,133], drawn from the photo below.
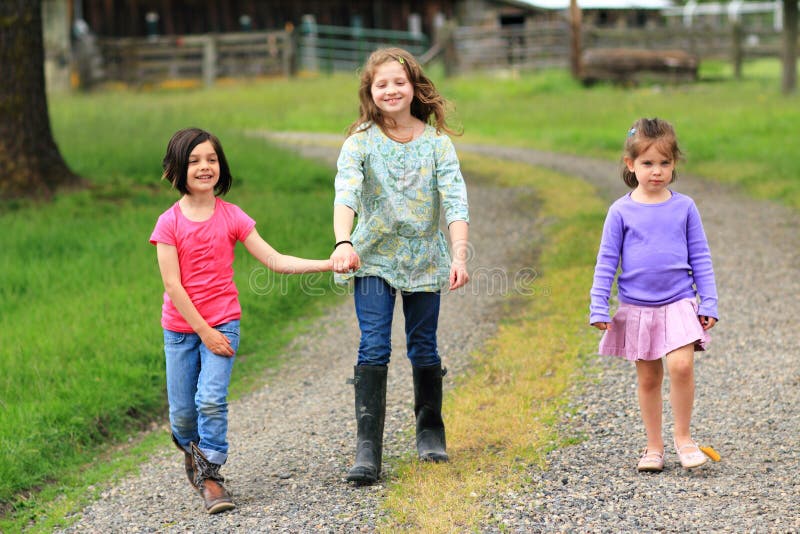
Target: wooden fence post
[737,54]
[308,39]
[447,37]
[289,54]
[575,22]
[789,55]
[209,60]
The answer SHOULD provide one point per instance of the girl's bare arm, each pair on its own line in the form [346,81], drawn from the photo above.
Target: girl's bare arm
[282,263]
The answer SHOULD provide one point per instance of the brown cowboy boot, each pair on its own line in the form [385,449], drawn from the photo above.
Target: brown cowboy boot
[208,482]
[188,461]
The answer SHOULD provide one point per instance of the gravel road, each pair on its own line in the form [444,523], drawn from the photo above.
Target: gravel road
[293,439]
[747,402]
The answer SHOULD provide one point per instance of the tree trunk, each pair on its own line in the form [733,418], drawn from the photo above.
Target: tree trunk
[30,163]
[789,46]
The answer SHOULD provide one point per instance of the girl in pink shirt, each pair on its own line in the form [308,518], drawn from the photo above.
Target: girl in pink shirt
[195,240]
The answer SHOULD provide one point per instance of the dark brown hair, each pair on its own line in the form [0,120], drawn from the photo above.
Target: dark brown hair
[642,135]
[176,160]
[428,105]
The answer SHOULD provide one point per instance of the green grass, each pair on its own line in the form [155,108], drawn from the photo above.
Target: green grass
[734,132]
[81,360]
[738,133]
[501,417]
[80,350]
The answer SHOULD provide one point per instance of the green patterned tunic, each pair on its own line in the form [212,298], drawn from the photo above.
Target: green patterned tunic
[398,191]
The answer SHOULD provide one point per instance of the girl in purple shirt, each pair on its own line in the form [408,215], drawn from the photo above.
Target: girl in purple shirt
[195,240]
[655,236]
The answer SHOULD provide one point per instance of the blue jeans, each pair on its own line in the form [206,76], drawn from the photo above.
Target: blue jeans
[374,299]
[197,390]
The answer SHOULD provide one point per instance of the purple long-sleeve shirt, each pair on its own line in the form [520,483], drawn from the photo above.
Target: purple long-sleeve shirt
[663,253]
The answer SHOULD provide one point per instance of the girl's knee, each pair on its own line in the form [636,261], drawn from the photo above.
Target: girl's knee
[681,371]
[681,364]
[650,382]
[213,410]
[374,349]
[650,374]
[372,359]
[428,360]
[185,422]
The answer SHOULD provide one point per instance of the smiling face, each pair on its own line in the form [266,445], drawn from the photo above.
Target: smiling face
[391,90]
[654,171]
[202,172]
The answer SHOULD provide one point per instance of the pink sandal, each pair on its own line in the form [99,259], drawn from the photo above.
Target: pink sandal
[651,461]
[690,459]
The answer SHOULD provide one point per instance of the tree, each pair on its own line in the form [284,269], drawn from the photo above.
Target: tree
[789,83]
[30,162]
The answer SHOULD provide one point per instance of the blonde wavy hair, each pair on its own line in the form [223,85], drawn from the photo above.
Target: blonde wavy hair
[428,105]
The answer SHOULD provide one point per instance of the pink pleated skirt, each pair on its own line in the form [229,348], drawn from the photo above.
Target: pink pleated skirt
[645,333]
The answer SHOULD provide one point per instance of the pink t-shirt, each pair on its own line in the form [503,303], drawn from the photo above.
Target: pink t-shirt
[205,256]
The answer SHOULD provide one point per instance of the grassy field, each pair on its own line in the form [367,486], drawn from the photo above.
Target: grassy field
[80,350]
[734,133]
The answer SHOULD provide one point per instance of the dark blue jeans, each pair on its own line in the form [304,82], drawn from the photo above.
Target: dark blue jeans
[374,299]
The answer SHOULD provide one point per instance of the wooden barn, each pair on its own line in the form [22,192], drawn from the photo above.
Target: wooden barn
[135,18]
[97,40]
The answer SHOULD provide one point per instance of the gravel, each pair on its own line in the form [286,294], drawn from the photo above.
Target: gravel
[293,439]
[747,399]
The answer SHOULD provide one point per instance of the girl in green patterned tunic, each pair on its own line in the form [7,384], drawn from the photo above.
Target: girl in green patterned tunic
[397,171]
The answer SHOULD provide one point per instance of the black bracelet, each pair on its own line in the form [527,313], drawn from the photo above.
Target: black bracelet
[342,243]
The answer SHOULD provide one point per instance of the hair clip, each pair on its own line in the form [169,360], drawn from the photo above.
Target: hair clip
[401,60]
[631,132]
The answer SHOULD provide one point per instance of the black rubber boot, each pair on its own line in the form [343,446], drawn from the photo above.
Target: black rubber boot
[431,445]
[370,389]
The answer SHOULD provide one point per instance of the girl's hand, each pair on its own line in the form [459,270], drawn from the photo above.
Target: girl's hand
[602,326]
[458,274]
[707,322]
[344,259]
[217,342]
[355,261]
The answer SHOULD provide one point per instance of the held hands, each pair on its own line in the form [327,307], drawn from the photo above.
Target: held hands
[217,342]
[344,259]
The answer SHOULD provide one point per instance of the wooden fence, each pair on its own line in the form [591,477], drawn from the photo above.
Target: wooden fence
[547,44]
[705,43]
[337,48]
[141,61]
